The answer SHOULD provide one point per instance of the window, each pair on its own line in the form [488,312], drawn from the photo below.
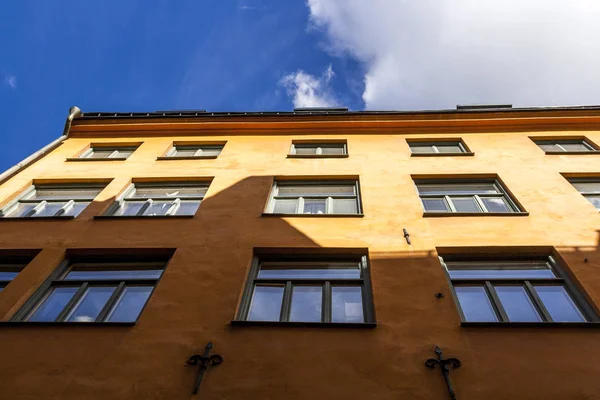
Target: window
[52,201]
[96,152]
[527,290]
[160,199]
[301,289]
[9,270]
[467,196]
[589,188]
[315,198]
[87,291]
[303,149]
[439,148]
[566,146]
[194,151]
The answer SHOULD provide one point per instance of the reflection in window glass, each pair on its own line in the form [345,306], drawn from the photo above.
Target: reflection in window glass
[266,303]
[130,304]
[318,271]
[312,206]
[559,304]
[89,306]
[346,304]
[306,304]
[495,204]
[344,206]
[437,205]
[465,204]
[54,304]
[285,206]
[517,304]
[116,274]
[475,304]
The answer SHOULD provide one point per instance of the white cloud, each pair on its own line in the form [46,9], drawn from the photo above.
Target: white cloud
[11,81]
[438,53]
[307,90]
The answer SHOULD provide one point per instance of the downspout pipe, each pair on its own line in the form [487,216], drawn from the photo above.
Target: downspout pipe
[15,169]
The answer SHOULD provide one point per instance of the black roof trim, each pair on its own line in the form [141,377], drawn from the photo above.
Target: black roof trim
[206,114]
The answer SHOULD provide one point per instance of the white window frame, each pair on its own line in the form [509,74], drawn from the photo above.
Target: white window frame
[558,142]
[115,153]
[434,144]
[319,148]
[148,202]
[172,153]
[21,199]
[328,199]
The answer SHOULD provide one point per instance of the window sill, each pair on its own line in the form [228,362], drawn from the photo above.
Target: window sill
[475,214]
[187,158]
[317,156]
[530,324]
[142,216]
[96,324]
[277,324]
[554,153]
[313,215]
[59,218]
[467,154]
[96,159]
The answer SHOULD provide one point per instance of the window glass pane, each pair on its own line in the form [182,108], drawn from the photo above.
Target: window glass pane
[496,204]
[158,208]
[185,152]
[8,275]
[344,206]
[475,304]
[48,193]
[53,304]
[420,149]
[438,205]
[575,147]
[117,275]
[517,304]
[306,303]
[549,147]
[210,151]
[305,150]
[308,271]
[20,210]
[346,304]
[90,304]
[187,207]
[332,149]
[49,210]
[285,206]
[316,190]
[100,153]
[266,303]
[492,271]
[123,153]
[314,206]
[465,204]
[170,191]
[457,188]
[130,304]
[559,304]
[587,187]
[76,209]
[595,200]
[129,208]
[449,148]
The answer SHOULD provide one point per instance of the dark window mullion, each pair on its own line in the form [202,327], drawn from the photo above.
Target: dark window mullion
[537,301]
[74,300]
[500,312]
[286,303]
[114,297]
[326,306]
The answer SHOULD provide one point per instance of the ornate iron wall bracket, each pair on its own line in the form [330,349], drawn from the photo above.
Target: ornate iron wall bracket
[203,362]
[445,365]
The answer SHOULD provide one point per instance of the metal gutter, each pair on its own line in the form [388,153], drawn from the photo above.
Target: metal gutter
[307,113]
[15,169]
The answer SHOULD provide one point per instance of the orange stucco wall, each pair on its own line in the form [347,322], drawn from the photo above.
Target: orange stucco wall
[200,290]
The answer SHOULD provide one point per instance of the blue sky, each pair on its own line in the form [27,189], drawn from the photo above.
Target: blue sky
[220,55]
[151,55]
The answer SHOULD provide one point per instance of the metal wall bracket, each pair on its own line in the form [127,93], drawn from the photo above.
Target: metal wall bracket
[445,366]
[406,236]
[204,362]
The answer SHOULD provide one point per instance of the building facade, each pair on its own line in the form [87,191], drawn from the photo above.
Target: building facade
[324,253]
